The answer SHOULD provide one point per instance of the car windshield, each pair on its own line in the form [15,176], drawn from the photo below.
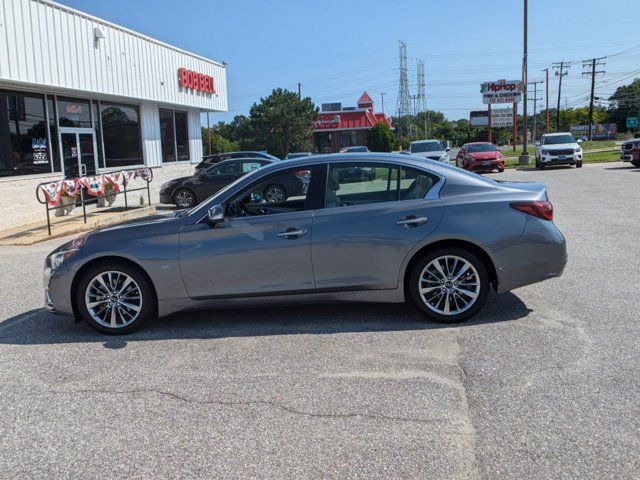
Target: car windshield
[481,148]
[426,147]
[558,139]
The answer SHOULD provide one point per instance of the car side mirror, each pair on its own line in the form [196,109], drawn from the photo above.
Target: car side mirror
[448,149]
[579,140]
[215,215]
[537,144]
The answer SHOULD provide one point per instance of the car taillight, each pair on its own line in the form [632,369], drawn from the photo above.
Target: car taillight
[302,173]
[540,209]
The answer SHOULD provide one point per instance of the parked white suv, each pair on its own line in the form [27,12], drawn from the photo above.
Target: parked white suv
[432,149]
[558,149]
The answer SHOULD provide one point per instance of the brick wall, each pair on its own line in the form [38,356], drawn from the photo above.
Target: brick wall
[18,204]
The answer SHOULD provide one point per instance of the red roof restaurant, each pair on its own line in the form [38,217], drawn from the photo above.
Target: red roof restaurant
[336,127]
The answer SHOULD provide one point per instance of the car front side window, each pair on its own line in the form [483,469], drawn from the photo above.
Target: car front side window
[282,192]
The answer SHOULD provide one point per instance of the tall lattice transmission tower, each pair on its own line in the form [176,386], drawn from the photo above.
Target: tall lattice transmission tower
[403,107]
[420,104]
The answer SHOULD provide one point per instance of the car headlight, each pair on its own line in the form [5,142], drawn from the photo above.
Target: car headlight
[57,258]
[577,149]
[544,151]
[444,158]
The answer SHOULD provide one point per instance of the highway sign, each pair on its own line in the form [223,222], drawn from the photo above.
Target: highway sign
[632,122]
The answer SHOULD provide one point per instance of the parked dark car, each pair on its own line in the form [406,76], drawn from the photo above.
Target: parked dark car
[209,160]
[358,149]
[355,174]
[292,155]
[187,192]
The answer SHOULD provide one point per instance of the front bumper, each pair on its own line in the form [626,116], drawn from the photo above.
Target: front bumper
[57,289]
[572,159]
[166,196]
[481,165]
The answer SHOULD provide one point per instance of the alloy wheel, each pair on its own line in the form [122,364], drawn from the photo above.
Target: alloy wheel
[274,194]
[184,199]
[449,285]
[113,299]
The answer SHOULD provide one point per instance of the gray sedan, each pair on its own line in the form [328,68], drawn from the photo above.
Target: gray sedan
[423,231]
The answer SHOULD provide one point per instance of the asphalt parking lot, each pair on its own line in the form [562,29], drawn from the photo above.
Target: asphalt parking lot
[543,384]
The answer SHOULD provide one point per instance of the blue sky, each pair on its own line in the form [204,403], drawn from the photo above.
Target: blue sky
[339,48]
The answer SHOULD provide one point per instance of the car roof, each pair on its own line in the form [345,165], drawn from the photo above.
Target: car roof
[479,143]
[245,159]
[556,134]
[427,140]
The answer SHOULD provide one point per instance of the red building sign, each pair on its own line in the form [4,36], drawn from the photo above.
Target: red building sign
[195,81]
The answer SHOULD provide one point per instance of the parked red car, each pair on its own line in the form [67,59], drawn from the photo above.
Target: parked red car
[480,156]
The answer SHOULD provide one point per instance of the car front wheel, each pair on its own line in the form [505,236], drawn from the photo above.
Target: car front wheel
[114,297]
[449,285]
[184,198]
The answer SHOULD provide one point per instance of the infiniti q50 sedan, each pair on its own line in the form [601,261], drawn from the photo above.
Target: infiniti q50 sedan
[421,231]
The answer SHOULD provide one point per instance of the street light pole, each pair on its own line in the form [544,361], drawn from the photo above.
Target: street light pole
[524,157]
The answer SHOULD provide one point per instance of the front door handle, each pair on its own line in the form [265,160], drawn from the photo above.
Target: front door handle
[412,221]
[292,233]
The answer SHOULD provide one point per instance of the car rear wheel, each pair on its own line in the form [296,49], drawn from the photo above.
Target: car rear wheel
[114,297]
[184,198]
[449,285]
[274,194]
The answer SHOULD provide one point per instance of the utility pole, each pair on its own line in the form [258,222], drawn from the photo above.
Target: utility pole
[561,71]
[546,70]
[382,94]
[524,157]
[535,103]
[299,90]
[585,64]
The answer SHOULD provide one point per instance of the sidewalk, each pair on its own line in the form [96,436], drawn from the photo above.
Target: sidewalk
[62,226]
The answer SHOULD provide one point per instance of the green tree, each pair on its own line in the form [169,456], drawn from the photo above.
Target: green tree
[380,138]
[219,144]
[625,102]
[283,123]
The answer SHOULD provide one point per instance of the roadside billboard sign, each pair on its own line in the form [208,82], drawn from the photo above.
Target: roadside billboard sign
[502,117]
[501,91]
[479,118]
[632,122]
[599,131]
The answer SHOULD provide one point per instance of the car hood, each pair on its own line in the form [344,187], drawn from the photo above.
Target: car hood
[148,221]
[175,181]
[560,146]
[484,155]
[435,153]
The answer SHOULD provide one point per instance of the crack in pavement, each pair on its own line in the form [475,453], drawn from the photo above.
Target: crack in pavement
[232,403]
[469,431]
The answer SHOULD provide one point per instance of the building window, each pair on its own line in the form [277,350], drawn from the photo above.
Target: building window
[174,135]
[95,111]
[349,138]
[121,134]
[73,112]
[24,144]
[53,134]
[182,135]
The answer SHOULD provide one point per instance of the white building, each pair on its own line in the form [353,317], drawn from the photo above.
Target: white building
[80,95]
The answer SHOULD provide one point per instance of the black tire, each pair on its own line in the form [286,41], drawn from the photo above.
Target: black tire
[636,163]
[500,170]
[148,301]
[414,280]
[579,164]
[184,198]
[271,188]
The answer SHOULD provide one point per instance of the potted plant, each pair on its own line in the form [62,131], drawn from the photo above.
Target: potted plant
[109,196]
[67,203]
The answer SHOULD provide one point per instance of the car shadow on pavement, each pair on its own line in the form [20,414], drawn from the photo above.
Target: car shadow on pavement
[39,327]
[623,167]
[550,169]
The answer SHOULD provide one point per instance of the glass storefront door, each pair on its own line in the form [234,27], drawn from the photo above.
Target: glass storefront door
[78,152]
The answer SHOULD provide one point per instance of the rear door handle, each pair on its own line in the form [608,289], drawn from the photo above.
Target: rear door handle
[412,221]
[292,233]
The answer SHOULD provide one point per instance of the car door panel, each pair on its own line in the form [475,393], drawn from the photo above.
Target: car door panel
[248,256]
[363,246]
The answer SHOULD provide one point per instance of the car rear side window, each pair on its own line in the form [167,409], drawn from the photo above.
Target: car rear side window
[360,183]
[415,184]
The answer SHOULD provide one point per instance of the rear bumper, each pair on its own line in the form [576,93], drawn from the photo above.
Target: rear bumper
[541,255]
